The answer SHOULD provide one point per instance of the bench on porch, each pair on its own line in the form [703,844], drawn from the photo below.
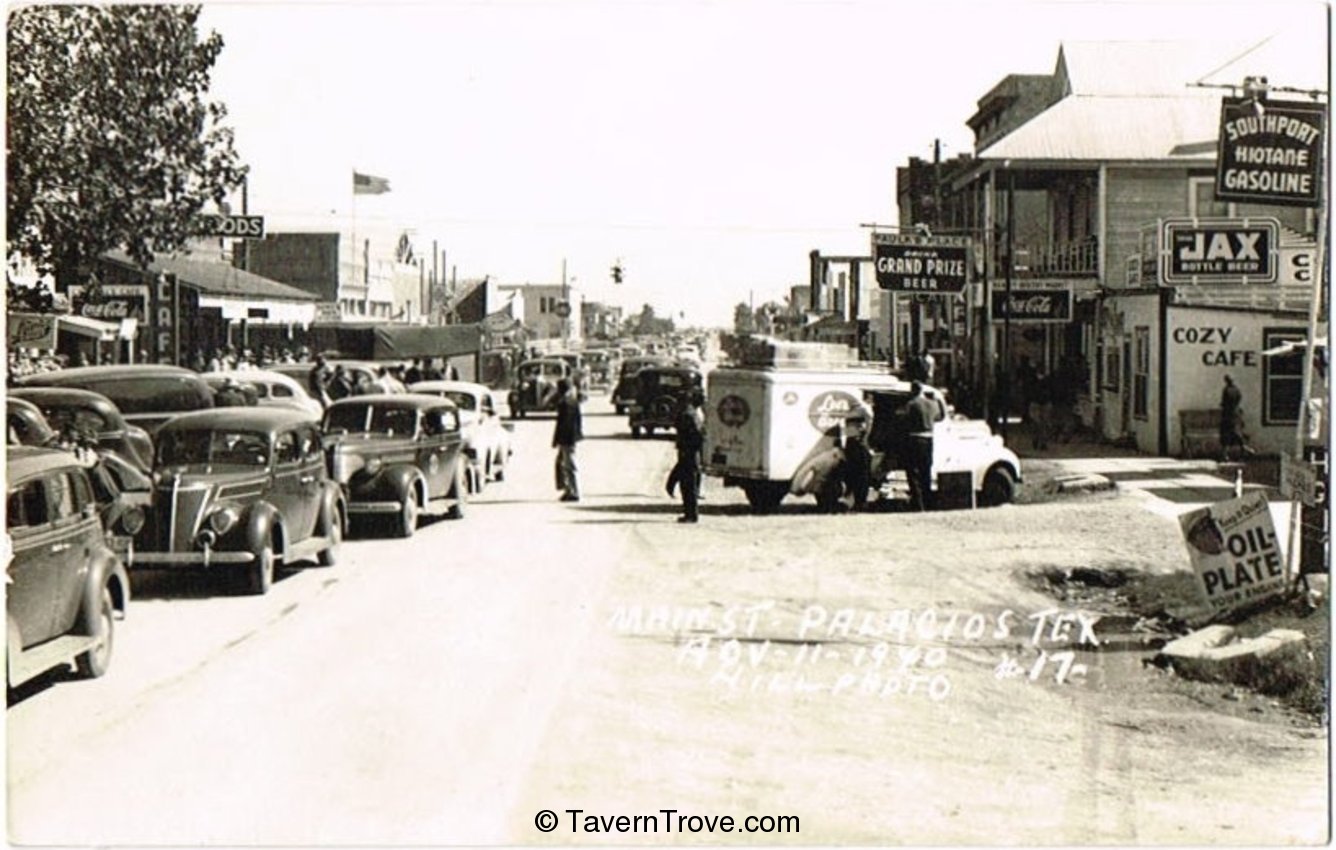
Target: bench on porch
[1199,432]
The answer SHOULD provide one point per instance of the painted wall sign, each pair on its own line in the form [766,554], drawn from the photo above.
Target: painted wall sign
[1032,305]
[31,330]
[1232,251]
[1234,552]
[926,264]
[1270,151]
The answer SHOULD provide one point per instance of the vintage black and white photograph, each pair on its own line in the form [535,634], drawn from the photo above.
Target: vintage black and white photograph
[667,422]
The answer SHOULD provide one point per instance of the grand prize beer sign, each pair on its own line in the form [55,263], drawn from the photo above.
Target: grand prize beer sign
[926,264]
[1270,151]
[1234,552]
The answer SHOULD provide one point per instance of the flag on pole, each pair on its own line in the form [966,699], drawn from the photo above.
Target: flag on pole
[365,184]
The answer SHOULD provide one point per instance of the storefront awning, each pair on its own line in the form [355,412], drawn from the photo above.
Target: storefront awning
[91,328]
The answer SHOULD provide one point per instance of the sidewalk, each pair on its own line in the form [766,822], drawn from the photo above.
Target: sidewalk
[1182,481]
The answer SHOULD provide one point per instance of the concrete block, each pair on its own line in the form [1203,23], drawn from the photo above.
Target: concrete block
[1217,654]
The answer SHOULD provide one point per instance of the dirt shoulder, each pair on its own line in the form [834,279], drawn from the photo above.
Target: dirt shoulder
[898,679]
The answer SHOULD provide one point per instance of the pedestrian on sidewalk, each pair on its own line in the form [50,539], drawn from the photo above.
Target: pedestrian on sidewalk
[920,414]
[1233,439]
[568,432]
[1040,412]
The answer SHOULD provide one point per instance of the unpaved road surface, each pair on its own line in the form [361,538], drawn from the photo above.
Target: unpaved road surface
[878,677]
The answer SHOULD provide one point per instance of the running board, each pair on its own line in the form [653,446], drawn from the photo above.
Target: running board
[308,548]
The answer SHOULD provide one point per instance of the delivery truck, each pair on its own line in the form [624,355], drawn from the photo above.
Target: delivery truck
[773,417]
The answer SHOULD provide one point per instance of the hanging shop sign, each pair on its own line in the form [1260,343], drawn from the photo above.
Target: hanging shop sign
[232,226]
[1270,151]
[1219,250]
[923,264]
[31,330]
[1031,305]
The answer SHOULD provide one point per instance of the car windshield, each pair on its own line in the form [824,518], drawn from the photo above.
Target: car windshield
[148,394]
[80,419]
[221,447]
[462,400]
[371,419]
[547,370]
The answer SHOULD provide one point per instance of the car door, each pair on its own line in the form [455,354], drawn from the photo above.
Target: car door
[77,516]
[289,490]
[38,550]
[312,476]
[438,448]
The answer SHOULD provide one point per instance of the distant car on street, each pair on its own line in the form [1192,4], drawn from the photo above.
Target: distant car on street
[627,390]
[398,455]
[146,395]
[536,385]
[662,392]
[66,585]
[486,438]
[242,487]
[84,411]
[272,389]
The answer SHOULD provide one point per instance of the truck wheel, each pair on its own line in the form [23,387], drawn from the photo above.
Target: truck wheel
[331,529]
[999,487]
[635,432]
[408,514]
[96,660]
[649,430]
[765,496]
[262,570]
[460,493]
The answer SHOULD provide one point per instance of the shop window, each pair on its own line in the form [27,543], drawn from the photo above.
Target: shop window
[1141,373]
[1282,378]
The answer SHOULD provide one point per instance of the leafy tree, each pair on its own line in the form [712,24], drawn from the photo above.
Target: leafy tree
[110,141]
[743,321]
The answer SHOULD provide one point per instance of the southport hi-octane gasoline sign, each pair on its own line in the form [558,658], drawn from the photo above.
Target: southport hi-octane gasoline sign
[1271,151]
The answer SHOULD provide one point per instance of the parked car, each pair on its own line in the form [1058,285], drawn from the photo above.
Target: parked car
[272,389]
[600,365]
[93,414]
[486,438]
[627,390]
[26,424]
[361,373]
[398,455]
[536,385]
[662,392]
[146,395]
[127,480]
[66,586]
[242,487]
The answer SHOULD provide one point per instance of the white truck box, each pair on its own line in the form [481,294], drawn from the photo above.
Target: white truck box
[761,424]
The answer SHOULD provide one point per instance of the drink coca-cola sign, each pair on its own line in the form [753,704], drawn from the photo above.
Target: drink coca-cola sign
[1032,305]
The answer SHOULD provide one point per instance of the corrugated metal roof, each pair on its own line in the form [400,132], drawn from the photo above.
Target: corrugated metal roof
[1116,129]
[219,279]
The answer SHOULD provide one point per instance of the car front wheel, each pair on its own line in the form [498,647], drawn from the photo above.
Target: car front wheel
[999,487]
[333,532]
[460,495]
[262,570]
[97,660]
[408,512]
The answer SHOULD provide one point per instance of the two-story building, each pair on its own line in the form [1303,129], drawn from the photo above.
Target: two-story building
[1074,177]
[551,310]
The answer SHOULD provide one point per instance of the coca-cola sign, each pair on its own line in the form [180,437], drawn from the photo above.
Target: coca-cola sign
[1032,305]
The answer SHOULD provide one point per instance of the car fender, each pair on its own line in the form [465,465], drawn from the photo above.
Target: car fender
[333,501]
[264,522]
[400,480]
[105,570]
[14,645]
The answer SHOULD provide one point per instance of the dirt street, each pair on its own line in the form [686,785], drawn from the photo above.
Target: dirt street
[883,678]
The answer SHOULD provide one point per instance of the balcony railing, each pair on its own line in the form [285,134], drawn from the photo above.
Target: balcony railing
[1059,259]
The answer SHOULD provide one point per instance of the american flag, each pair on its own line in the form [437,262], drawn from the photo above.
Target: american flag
[365,184]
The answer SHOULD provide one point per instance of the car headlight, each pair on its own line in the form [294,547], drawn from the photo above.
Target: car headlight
[132,520]
[224,520]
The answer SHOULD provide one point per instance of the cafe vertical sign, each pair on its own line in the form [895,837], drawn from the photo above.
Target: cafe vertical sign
[1271,151]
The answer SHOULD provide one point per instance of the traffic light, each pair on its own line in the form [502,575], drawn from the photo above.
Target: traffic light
[617,273]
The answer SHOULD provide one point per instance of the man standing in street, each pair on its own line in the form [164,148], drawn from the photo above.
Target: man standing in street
[921,413]
[690,438]
[569,431]
[317,381]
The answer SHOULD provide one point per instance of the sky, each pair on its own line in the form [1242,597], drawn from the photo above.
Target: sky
[707,147]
